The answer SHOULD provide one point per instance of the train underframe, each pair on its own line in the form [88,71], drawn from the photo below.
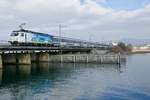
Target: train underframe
[15,43]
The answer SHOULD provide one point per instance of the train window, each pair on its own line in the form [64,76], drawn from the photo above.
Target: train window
[14,34]
[22,34]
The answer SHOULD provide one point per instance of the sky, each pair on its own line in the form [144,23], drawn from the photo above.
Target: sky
[94,20]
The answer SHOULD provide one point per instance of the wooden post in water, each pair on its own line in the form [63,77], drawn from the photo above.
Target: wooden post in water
[101,59]
[116,59]
[74,58]
[87,59]
[119,61]
[61,59]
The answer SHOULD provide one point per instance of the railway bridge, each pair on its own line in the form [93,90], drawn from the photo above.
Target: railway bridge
[24,55]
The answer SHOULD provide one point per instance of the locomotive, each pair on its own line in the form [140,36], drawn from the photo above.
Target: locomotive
[27,37]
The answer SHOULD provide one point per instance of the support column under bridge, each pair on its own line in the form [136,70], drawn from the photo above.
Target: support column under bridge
[43,57]
[1,63]
[20,58]
[23,58]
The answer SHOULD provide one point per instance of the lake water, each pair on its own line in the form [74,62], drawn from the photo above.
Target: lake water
[47,81]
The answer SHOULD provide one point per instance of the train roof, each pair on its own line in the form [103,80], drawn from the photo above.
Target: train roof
[29,31]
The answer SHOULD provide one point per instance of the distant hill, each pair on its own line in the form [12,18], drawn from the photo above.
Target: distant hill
[136,42]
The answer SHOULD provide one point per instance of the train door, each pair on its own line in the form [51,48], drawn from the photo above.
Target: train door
[25,37]
[22,37]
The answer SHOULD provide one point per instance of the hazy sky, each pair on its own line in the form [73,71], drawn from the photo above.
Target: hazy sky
[97,20]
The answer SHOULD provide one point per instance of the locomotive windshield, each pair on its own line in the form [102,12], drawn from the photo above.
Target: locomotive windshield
[14,34]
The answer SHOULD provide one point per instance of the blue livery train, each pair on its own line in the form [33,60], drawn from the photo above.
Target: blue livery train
[24,37]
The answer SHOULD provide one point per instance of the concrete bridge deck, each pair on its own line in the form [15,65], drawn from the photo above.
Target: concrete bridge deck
[17,49]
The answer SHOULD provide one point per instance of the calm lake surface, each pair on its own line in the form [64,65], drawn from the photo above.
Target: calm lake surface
[47,81]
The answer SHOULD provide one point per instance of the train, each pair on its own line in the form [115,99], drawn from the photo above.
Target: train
[24,37]
[27,37]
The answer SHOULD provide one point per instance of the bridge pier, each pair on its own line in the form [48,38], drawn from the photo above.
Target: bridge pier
[9,58]
[1,62]
[23,59]
[43,57]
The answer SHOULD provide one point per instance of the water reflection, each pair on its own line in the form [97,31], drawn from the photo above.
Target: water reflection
[69,81]
[53,80]
[1,73]
[24,71]
[40,68]
[13,73]
[43,67]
